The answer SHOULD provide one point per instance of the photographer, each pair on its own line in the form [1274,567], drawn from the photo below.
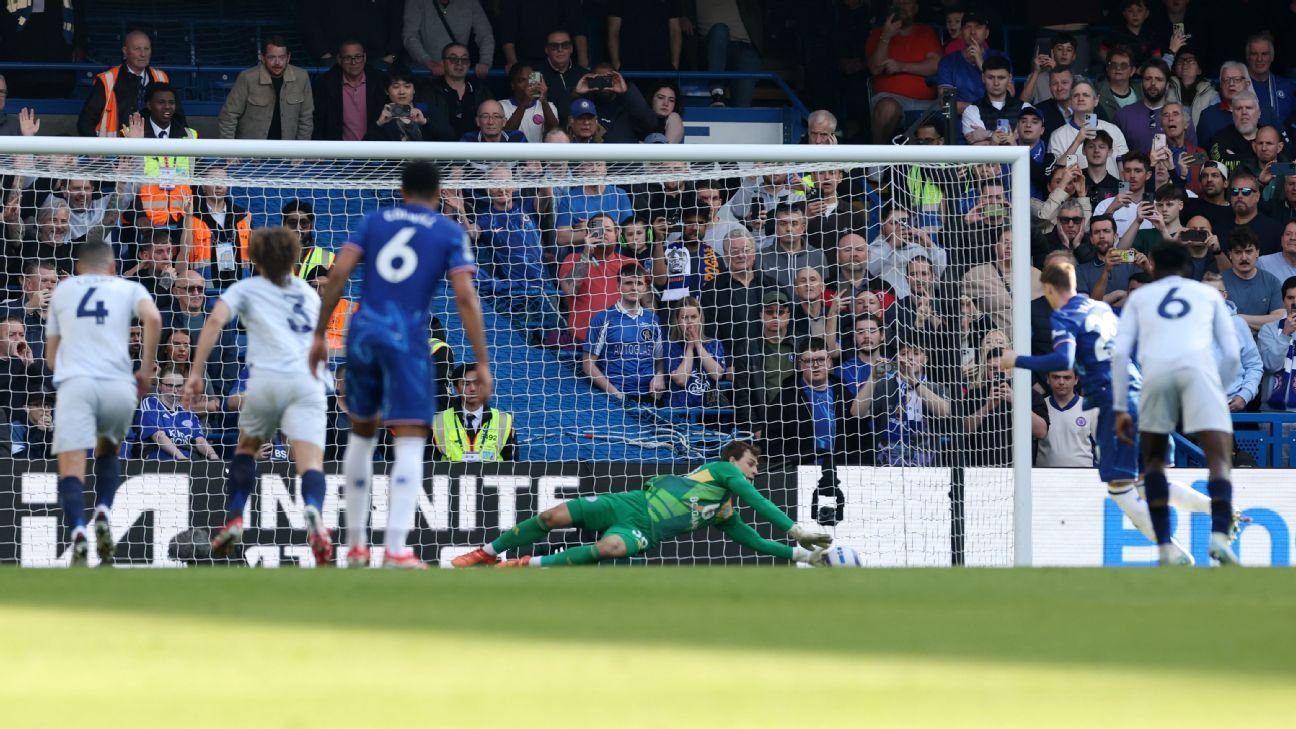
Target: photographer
[622,109]
[1134,197]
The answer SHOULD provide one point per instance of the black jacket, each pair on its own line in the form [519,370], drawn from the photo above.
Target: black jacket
[126,89]
[790,433]
[626,117]
[327,90]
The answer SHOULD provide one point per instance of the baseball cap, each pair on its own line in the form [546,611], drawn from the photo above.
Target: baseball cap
[1216,165]
[583,107]
[1032,111]
[975,17]
[656,138]
[774,297]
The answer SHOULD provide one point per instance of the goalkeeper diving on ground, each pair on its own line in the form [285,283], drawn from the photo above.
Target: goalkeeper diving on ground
[634,522]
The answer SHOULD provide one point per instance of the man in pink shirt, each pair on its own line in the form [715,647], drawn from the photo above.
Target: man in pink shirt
[349,97]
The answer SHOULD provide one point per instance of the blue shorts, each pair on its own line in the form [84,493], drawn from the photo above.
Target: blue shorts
[391,383]
[1116,460]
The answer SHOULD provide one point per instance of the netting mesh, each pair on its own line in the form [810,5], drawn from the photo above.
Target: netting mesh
[845,318]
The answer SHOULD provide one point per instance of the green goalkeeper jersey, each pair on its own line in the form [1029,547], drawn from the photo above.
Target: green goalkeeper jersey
[681,504]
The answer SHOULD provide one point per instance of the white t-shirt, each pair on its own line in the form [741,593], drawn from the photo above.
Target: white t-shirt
[1123,216]
[280,321]
[1174,323]
[92,315]
[1071,436]
[532,121]
[1064,135]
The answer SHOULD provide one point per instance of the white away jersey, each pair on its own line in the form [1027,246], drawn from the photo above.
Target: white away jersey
[1175,323]
[280,321]
[92,315]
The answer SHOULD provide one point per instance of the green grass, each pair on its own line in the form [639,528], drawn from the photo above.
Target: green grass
[647,647]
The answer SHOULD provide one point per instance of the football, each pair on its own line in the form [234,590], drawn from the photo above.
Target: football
[839,555]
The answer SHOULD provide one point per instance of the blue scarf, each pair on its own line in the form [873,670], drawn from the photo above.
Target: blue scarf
[25,13]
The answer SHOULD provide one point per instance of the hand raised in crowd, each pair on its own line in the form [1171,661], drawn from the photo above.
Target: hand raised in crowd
[134,128]
[1043,62]
[19,350]
[1289,324]
[1266,173]
[891,27]
[28,124]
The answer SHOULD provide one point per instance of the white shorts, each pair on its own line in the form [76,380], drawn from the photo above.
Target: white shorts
[1189,393]
[294,404]
[87,409]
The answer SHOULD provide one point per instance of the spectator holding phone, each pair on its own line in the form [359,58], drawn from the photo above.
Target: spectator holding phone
[1140,121]
[1099,183]
[1269,169]
[1136,171]
[1107,278]
[1084,126]
[1185,156]
[401,120]
[1057,54]
[990,120]
[1162,215]
[622,109]
[529,110]
[1203,246]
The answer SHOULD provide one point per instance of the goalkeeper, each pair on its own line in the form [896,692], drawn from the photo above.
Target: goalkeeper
[632,523]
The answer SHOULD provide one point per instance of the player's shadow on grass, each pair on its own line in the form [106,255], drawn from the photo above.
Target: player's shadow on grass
[1183,619]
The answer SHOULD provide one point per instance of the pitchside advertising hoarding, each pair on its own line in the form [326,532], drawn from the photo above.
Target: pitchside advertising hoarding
[892,517]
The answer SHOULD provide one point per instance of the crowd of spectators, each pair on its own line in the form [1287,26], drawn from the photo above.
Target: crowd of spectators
[842,315]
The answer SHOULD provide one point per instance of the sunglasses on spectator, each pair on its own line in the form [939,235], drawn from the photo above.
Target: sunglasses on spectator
[456,59]
[562,45]
[1070,219]
[1241,190]
[1118,66]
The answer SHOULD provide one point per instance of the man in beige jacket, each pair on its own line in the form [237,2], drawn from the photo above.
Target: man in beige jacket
[270,101]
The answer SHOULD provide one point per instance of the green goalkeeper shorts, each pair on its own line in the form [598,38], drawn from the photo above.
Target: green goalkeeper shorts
[624,515]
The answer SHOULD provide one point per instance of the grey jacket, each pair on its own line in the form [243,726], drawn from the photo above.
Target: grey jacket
[9,126]
[425,36]
[247,111]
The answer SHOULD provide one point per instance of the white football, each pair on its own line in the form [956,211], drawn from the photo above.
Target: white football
[839,555]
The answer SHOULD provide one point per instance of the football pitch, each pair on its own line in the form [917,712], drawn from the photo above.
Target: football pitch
[647,647]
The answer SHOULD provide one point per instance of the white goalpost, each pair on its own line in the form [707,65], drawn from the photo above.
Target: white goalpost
[891,260]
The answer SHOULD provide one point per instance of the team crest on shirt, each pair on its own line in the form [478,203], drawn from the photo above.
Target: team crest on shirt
[646,334]
[1081,421]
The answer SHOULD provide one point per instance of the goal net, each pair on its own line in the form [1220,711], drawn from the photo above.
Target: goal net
[842,307]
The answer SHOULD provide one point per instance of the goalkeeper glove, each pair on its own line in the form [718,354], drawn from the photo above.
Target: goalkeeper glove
[814,557]
[809,539]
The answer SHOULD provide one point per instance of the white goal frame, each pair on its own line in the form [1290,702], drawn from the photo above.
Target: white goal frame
[1017,158]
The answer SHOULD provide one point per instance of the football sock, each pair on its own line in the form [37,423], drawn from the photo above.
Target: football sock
[1221,498]
[587,554]
[1128,499]
[1158,502]
[357,467]
[406,482]
[529,531]
[1189,498]
[107,473]
[72,498]
[241,481]
[312,488]
[489,548]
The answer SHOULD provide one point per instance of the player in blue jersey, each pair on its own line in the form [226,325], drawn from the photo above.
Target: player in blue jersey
[1084,335]
[407,249]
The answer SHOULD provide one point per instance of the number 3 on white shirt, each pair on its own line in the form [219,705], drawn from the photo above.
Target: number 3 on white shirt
[1105,328]
[396,260]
